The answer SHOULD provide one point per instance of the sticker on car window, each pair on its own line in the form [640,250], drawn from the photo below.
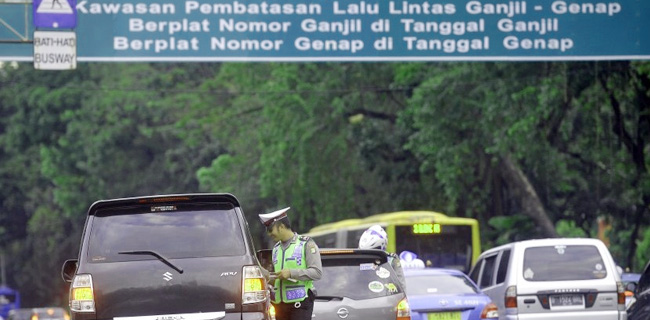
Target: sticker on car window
[529,274]
[376,286]
[383,273]
[599,273]
[367,266]
[560,249]
[391,287]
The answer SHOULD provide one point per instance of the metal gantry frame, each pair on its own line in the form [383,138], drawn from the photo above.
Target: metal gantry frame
[22,38]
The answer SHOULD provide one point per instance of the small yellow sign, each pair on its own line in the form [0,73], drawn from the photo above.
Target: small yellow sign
[426,228]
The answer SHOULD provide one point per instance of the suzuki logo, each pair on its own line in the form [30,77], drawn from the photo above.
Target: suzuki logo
[167,276]
[343,313]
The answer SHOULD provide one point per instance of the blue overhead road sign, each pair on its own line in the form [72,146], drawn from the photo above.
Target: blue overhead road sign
[57,14]
[348,30]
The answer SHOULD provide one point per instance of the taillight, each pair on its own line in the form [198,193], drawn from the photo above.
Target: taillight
[271,312]
[81,294]
[403,310]
[621,293]
[34,317]
[511,297]
[253,288]
[490,311]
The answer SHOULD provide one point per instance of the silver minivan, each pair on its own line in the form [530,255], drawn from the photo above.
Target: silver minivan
[561,278]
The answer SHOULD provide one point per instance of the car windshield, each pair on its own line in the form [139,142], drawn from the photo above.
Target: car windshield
[357,279]
[186,232]
[438,284]
[563,262]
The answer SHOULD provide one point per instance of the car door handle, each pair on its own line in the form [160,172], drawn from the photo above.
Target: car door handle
[529,300]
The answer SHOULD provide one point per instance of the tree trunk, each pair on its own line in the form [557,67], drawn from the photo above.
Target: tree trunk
[526,196]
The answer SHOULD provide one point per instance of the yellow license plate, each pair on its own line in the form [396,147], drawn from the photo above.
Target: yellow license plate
[444,316]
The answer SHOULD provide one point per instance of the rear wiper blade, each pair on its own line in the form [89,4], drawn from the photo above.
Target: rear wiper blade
[155,254]
[328,298]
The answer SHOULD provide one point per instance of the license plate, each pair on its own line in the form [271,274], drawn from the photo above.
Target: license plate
[567,300]
[444,316]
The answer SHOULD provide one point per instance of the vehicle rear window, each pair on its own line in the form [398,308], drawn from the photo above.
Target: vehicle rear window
[189,231]
[356,279]
[439,284]
[503,266]
[563,262]
[488,271]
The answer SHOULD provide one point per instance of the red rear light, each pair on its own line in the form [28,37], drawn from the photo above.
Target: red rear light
[164,199]
[590,299]
[490,311]
[403,310]
[621,293]
[82,297]
[511,297]
[253,285]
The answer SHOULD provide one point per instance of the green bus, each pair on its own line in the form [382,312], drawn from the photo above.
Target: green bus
[438,240]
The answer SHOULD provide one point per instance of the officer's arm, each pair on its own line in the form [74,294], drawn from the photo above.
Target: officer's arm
[265,273]
[314,269]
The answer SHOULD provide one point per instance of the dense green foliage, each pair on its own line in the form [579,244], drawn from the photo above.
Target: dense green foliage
[530,149]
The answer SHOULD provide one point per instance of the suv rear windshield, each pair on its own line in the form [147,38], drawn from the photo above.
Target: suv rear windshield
[563,262]
[186,231]
[357,279]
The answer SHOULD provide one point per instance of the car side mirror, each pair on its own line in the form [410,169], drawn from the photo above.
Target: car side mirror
[69,269]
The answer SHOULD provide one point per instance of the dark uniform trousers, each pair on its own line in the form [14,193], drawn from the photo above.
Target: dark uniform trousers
[288,311]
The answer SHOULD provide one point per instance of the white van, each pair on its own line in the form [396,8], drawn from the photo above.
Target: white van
[561,278]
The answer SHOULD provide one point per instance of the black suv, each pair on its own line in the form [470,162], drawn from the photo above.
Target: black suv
[171,257]
[640,309]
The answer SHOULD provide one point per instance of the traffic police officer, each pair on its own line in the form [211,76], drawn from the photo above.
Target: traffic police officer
[296,264]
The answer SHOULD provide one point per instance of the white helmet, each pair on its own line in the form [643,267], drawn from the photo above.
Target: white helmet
[373,238]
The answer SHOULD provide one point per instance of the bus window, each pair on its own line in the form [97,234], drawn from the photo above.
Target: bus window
[353,238]
[439,246]
[326,240]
